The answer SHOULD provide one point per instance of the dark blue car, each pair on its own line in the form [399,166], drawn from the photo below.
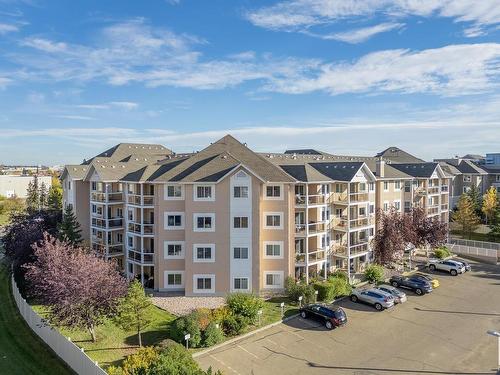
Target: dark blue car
[418,285]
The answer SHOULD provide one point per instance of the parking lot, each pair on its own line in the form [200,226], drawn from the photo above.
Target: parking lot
[440,333]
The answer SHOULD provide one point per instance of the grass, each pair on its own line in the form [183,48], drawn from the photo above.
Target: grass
[474,236]
[113,343]
[271,312]
[4,219]
[21,351]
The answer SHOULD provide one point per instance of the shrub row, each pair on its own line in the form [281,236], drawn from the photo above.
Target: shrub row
[442,252]
[336,286]
[374,273]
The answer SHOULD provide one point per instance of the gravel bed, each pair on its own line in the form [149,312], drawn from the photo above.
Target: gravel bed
[180,305]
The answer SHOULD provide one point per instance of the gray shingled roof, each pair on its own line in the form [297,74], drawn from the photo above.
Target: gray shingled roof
[396,155]
[416,169]
[76,172]
[467,166]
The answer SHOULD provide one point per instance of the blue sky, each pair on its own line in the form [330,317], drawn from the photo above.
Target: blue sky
[349,77]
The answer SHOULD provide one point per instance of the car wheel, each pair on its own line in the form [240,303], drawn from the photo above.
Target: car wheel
[328,324]
[354,299]
[432,267]
[303,314]
[394,284]
[454,272]
[378,306]
[418,291]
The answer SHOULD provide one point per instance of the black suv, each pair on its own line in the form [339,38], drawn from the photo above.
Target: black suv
[330,316]
[418,285]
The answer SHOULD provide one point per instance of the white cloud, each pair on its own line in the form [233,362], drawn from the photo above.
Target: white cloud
[4,82]
[45,45]
[75,117]
[7,28]
[359,35]
[302,15]
[92,106]
[125,105]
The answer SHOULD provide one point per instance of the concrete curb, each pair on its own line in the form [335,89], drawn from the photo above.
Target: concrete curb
[248,334]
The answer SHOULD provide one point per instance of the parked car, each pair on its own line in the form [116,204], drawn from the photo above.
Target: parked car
[466,264]
[328,315]
[451,266]
[375,297]
[399,296]
[434,282]
[418,285]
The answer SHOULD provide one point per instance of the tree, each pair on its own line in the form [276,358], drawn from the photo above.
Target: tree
[54,200]
[69,229]
[10,205]
[423,231]
[490,203]
[134,310]
[79,288]
[494,226]
[465,215]
[476,199]
[33,196]
[390,241]
[43,195]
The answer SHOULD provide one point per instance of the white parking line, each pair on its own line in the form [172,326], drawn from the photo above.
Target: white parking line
[253,355]
[223,364]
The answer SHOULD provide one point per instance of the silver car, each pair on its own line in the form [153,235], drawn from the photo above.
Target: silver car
[399,296]
[375,297]
[451,266]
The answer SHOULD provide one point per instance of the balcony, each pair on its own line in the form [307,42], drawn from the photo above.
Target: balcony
[314,256]
[444,207]
[113,223]
[444,189]
[359,247]
[361,222]
[112,250]
[339,198]
[141,200]
[433,210]
[433,190]
[113,197]
[359,197]
[144,257]
[339,223]
[312,228]
[340,250]
[146,229]
[419,192]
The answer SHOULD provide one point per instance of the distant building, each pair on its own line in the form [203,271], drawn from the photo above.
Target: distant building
[17,186]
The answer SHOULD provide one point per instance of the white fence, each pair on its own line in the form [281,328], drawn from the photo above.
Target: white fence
[478,244]
[491,254]
[74,357]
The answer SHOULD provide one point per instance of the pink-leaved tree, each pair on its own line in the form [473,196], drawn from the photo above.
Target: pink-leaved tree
[79,288]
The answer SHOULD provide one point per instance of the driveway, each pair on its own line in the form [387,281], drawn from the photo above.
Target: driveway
[440,333]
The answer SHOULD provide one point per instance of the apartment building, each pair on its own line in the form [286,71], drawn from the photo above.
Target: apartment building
[228,219]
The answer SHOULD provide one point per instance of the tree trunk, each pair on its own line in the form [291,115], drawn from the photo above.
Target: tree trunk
[139,337]
[92,333]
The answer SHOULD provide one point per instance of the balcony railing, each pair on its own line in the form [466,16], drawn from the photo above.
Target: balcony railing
[141,200]
[340,198]
[433,190]
[361,247]
[144,257]
[359,197]
[444,207]
[113,197]
[363,222]
[339,222]
[115,249]
[313,256]
[141,228]
[340,249]
[313,228]
[432,210]
[113,223]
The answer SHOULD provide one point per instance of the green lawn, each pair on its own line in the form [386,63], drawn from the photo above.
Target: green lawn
[272,310]
[474,236]
[21,352]
[114,344]
[4,218]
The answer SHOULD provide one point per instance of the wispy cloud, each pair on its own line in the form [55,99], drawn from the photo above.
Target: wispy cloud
[7,28]
[359,35]
[125,105]
[303,15]
[44,45]
[75,117]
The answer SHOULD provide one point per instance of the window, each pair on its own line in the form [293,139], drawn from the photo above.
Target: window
[240,222]
[338,188]
[174,279]
[240,191]
[240,283]
[174,192]
[94,185]
[203,283]
[173,249]
[273,279]
[371,186]
[130,242]
[362,211]
[498,177]
[386,186]
[273,220]
[204,222]
[362,187]
[204,193]
[397,205]
[273,192]
[386,206]
[94,208]
[119,238]
[397,185]
[174,220]
[204,253]
[372,208]
[466,189]
[467,178]
[240,252]
[273,249]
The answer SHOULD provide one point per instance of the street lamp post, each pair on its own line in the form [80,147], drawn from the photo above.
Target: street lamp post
[497,335]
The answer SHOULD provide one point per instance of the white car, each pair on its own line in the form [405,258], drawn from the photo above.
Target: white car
[451,266]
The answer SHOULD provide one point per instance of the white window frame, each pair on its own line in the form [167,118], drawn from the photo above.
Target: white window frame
[371,186]
[198,199]
[386,206]
[241,278]
[398,202]
[467,178]
[169,198]
[498,177]
[280,273]
[197,215]
[241,187]
[386,186]
[203,260]
[166,214]
[240,247]
[273,243]
[240,227]
[280,214]
[273,198]
[397,185]
[165,250]
[203,291]
[165,279]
